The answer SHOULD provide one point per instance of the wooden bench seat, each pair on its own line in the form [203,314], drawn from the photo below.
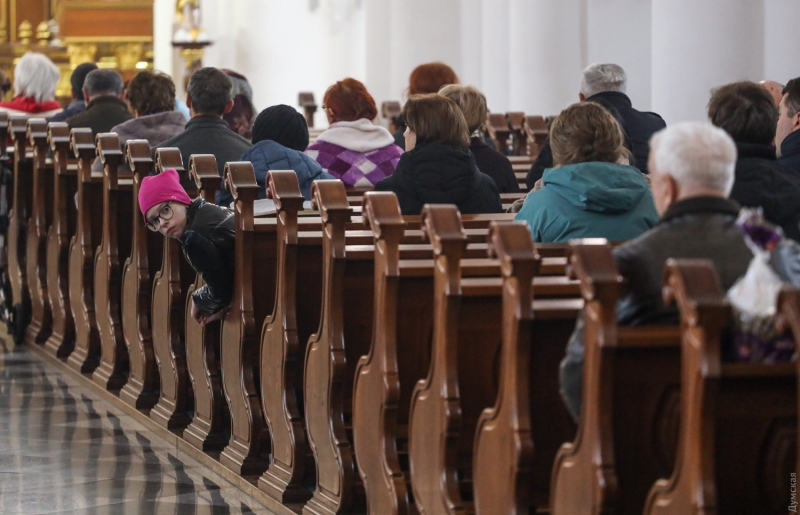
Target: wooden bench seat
[18,215]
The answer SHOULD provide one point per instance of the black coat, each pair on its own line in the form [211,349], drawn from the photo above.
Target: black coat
[207,135]
[441,174]
[495,165]
[101,115]
[639,127]
[762,182]
[790,153]
[208,244]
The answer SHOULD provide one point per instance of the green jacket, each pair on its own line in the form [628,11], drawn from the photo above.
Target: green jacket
[590,200]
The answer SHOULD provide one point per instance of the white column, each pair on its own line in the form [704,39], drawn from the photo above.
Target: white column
[163,18]
[495,54]
[471,71]
[699,45]
[781,39]
[378,56]
[619,31]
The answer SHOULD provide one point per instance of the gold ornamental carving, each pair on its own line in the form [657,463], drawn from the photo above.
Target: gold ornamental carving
[81,53]
[128,55]
[25,32]
[43,33]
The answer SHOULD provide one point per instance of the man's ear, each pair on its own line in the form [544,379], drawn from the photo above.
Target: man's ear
[228,106]
[85,95]
[582,97]
[796,121]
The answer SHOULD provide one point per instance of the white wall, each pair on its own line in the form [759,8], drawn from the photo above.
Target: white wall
[524,54]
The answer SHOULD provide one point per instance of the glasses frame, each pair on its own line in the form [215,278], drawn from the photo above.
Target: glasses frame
[150,224]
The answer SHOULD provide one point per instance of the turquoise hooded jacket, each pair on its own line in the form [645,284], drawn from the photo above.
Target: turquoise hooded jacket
[590,200]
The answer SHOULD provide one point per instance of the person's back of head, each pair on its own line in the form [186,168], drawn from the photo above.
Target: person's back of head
[36,76]
[348,100]
[471,102]
[587,132]
[103,83]
[691,159]
[602,77]
[436,119]
[746,111]
[79,77]
[151,93]
[430,77]
[209,92]
[789,112]
[283,125]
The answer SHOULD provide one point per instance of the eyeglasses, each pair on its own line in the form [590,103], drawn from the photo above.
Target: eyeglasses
[165,213]
[324,107]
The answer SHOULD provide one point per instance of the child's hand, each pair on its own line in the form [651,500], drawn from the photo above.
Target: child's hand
[219,315]
[199,316]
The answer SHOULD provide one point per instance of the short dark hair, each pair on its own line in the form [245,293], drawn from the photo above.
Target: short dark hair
[79,77]
[103,81]
[436,119]
[210,90]
[792,89]
[746,111]
[151,93]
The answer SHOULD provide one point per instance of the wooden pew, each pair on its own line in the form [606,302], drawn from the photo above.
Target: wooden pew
[391,111]
[306,100]
[170,285]
[114,249]
[499,130]
[516,122]
[89,226]
[788,319]
[18,228]
[6,203]
[210,427]
[738,420]
[65,185]
[41,215]
[517,439]
[142,389]
[248,449]
[537,130]
[627,433]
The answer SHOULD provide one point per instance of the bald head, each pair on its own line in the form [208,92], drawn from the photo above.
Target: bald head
[775,89]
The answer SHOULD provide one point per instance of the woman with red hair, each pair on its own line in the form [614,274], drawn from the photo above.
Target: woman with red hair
[353,149]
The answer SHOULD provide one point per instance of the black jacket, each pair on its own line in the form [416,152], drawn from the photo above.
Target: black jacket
[762,182]
[441,174]
[639,126]
[790,153]
[101,115]
[207,135]
[208,244]
[495,165]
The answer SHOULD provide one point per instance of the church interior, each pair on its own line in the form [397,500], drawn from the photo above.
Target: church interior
[399,257]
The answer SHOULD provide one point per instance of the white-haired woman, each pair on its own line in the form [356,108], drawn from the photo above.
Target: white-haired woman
[35,82]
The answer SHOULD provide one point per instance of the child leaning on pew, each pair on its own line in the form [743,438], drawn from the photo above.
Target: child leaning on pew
[206,234]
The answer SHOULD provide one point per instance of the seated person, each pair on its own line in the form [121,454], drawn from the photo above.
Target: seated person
[240,118]
[489,161]
[438,167]
[425,78]
[78,103]
[280,135]
[787,135]
[353,149]
[205,232]
[35,82]
[592,192]
[746,111]
[105,108]
[692,170]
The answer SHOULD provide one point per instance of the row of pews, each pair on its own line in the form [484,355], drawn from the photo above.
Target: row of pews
[372,362]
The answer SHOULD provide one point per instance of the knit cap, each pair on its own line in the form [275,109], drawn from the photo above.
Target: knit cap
[163,187]
[283,125]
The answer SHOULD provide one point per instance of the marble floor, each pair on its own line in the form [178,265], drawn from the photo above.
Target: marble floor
[64,451]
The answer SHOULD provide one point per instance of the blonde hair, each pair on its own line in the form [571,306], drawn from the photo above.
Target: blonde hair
[471,101]
[436,119]
[36,76]
[587,132]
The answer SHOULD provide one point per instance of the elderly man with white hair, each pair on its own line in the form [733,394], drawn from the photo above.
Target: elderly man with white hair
[35,82]
[607,84]
[692,170]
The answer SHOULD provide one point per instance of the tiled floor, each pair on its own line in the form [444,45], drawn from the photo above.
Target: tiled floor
[64,451]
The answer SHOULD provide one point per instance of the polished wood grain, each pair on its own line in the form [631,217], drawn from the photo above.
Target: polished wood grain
[18,215]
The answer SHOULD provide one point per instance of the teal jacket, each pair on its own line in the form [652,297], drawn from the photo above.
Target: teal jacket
[590,200]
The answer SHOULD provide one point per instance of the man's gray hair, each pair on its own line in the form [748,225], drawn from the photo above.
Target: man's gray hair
[698,155]
[601,77]
[103,82]
[36,76]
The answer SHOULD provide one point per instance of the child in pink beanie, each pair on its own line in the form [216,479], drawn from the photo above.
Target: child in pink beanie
[206,234]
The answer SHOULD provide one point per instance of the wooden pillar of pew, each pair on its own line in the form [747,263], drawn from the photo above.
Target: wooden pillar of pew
[41,214]
[248,448]
[169,301]
[516,122]
[18,227]
[142,389]
[499,130]
[86,355]
[788,318]
[114,249]
[209,430]
[282,351]
[738,420]
[65,185]
[309,105]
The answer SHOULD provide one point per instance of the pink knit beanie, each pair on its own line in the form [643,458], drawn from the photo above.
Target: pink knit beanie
[163,187]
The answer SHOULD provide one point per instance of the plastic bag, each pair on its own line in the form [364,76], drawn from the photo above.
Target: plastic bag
[754,297]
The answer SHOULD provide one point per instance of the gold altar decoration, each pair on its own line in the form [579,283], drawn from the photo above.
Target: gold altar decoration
[43,33]
[25,32]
